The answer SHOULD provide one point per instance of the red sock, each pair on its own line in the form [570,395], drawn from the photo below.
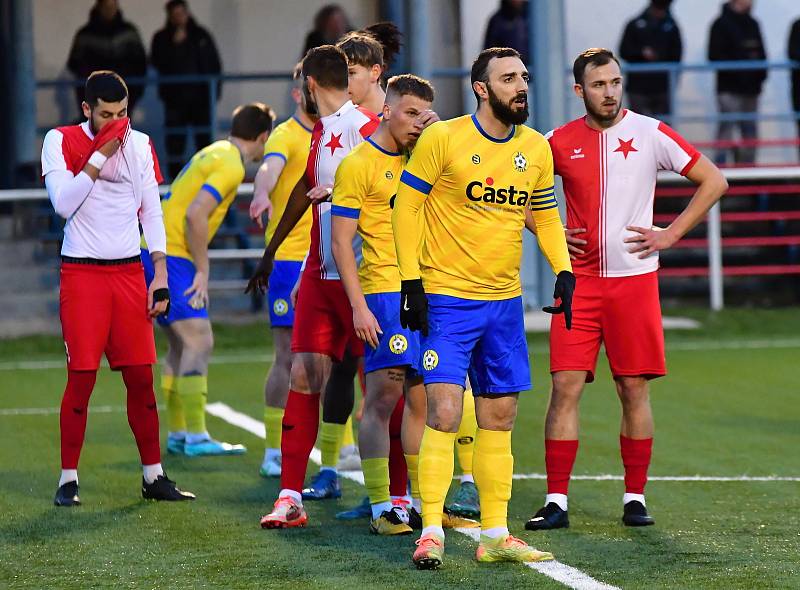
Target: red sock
[636,453]
[300,425]
[74,407]
[142,411]
[559,457]
[398,471]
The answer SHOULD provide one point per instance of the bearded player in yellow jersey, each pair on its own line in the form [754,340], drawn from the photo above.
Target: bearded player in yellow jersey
[194,208]
[481,178]
[285,157]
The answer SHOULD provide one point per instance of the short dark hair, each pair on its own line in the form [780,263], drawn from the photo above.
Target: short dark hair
[104,85]
[595,56]
[251,120]
[172,4]
[405,84]
[327,65]
[361,49]
[480,67]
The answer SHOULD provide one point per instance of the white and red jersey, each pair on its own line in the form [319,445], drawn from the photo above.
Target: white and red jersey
[103,216]
[331,140]
[609,183]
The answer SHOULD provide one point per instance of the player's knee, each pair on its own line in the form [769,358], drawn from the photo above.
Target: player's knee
[444,417]
[632,391]
[566,391]
[496,416]
[303,380]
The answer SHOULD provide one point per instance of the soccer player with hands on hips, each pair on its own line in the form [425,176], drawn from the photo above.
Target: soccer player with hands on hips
[478,181]
[608,160]
[102,177]
[194,208]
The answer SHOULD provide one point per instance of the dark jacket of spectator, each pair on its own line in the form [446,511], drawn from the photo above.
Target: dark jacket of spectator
[794,55]
[508,27]
[108,45]
[650,38]
[736,36]
[196,54]
[330,23]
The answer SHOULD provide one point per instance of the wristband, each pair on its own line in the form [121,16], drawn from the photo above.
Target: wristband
[97,160]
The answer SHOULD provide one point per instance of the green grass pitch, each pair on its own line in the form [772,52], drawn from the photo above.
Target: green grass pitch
[729,407]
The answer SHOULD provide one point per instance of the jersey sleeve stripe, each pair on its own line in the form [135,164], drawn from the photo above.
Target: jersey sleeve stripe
[543,190]
[545,207]
[537,202]
[274,155]
[415,182]
[545,196]
[341,211]
[690,164]
[214,192]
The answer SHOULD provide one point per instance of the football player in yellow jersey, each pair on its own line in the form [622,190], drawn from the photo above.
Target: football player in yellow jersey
[363,194]
[193,209]
[482,179]
[284,162]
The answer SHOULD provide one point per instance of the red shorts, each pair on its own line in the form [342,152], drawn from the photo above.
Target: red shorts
[104,309]
[624,313]
[323,320]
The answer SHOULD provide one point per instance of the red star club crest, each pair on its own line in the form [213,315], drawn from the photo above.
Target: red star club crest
[626,147]
[334,143]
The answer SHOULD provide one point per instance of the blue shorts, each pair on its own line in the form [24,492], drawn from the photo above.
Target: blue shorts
[180,274]
[397,346]
[482,339]
[281,282]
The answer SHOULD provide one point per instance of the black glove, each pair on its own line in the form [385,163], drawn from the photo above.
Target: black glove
[413,306]
[161,295]
[259,282]
[565,287]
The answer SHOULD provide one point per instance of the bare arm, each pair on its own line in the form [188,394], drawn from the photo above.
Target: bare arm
[265,181]
[711,185]
[197,239]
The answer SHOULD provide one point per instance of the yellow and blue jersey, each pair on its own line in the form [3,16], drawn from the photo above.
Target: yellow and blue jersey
[217,168]
[291,142]
[476,189]
[365,187]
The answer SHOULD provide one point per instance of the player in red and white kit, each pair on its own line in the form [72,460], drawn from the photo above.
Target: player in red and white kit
[102,177]
[323,328]
[608,161]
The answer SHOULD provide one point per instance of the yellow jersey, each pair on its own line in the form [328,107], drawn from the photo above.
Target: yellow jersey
[217,168]
[291,142]
[475,190]
[365,188]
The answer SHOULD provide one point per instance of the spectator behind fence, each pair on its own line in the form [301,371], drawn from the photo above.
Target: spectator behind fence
[736,36]
[330,23]
[107,42]
[794,54]
[183,47]
[508,27]
[653,36]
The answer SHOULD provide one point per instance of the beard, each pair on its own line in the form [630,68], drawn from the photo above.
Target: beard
[309,105]
[600,116]
[505,112]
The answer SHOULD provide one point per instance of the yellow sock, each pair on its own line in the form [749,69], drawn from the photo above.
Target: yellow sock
[273,418]
[412,464]
[193,391]
[435,473]
[330,443]
[465,438]
[347,435]
[376,479]
[493,468]
[176,421]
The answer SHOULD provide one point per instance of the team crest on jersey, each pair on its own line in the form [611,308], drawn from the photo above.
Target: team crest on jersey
[398,344]
[430,360]
[476,159]
[389,175]
[520,162]
[280,307]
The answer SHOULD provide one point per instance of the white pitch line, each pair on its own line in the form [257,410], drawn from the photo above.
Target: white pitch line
[681,478]
[560,572]
[251,357]
[51,411]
